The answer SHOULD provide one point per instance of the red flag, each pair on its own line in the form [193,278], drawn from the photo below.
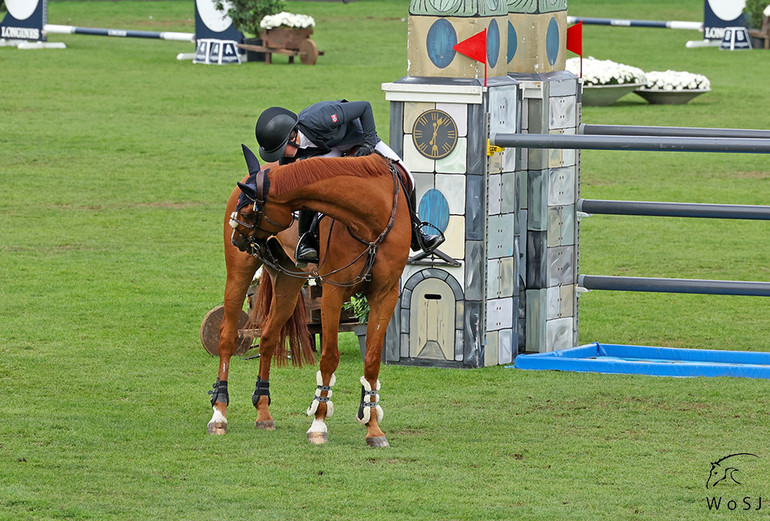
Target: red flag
[475,48]
[575,42]
[575,38]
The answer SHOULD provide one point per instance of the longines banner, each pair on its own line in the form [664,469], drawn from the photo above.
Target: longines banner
[24,20]
[719,14]
[211,23]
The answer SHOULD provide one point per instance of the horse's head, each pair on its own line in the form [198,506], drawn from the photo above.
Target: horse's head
[720,472]
[250,222]
[716,474]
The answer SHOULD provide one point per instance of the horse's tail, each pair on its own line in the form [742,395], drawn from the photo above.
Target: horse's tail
[295,329]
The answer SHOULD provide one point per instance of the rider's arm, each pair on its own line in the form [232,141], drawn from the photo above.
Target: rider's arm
[362,110]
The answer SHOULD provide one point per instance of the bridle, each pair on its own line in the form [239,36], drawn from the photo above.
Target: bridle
[258,248]
[262,183]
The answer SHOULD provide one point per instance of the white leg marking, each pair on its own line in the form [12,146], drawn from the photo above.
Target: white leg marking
[318,426]
[218,416]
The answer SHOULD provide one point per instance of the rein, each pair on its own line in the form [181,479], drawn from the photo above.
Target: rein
[264,254]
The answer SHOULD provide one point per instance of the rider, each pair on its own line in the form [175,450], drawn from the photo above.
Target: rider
[328,129]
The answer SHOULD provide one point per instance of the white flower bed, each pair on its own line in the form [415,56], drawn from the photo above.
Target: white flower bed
[284,19]
[605,72]
[676,80]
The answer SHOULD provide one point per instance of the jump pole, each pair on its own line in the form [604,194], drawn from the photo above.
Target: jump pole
[636,130]
[663,209]
[121,33]
[25,26]
[716,18]
[619,22]
[666,285]
[640,143]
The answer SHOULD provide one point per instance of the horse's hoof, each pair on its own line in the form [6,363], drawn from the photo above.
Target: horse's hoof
[379,441]
[317,438]
[268,425]
[217,428]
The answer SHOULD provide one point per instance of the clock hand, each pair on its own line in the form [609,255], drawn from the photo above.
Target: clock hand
[435,133]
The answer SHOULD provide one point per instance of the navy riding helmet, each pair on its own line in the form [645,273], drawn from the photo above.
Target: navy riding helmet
[273,130]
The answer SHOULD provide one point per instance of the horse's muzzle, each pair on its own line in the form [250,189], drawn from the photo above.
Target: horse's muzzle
[240,241]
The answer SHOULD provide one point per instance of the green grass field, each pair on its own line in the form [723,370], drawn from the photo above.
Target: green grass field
[115,164]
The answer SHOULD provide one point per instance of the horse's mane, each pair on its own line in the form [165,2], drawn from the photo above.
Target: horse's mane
[295,175]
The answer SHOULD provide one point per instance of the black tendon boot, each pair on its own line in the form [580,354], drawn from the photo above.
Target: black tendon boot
[420,239]
[307,247]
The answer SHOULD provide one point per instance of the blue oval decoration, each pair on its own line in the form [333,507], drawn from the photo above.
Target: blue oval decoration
[493,43]
[434,209]
[552,41]
[512,42]
[439,42]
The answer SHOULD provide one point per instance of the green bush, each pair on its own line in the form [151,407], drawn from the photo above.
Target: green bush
[359,305]
[753,11]
[246,14]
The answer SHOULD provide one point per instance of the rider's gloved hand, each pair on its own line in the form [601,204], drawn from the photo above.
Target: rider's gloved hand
[364,150]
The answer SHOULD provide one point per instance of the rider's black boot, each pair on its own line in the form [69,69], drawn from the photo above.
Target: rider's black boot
[420,239]
[307,247]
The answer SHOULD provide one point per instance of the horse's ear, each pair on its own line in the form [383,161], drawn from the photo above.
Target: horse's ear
[251,160]
[248,189]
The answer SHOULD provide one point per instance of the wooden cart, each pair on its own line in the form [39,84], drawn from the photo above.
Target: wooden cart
[248,337]
[289,42]
[763,34]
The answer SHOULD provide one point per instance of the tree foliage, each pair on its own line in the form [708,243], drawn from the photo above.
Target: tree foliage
[246,14]
[753,11]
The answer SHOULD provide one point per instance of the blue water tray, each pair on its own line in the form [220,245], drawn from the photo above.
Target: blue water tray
[655,361]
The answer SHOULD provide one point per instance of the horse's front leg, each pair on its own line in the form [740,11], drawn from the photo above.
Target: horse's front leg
[322,407]
[369,410]
[240,273]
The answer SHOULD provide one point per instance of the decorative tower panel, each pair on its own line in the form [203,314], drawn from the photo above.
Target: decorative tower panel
[504,279]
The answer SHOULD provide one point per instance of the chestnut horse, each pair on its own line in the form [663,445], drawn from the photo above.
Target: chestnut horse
[363,248]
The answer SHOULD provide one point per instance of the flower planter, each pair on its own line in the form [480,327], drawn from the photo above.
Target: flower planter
[604,95]
[670,97]
[673,87]
[758,42]
[254,56]
[360,331]
[285,38]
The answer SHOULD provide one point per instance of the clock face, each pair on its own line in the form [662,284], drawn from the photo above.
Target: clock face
[434,134]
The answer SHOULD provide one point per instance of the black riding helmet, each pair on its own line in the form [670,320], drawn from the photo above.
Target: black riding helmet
[274,126]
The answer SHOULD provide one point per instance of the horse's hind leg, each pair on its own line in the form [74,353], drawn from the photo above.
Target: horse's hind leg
[369,411]
[322,407]
[285,293]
